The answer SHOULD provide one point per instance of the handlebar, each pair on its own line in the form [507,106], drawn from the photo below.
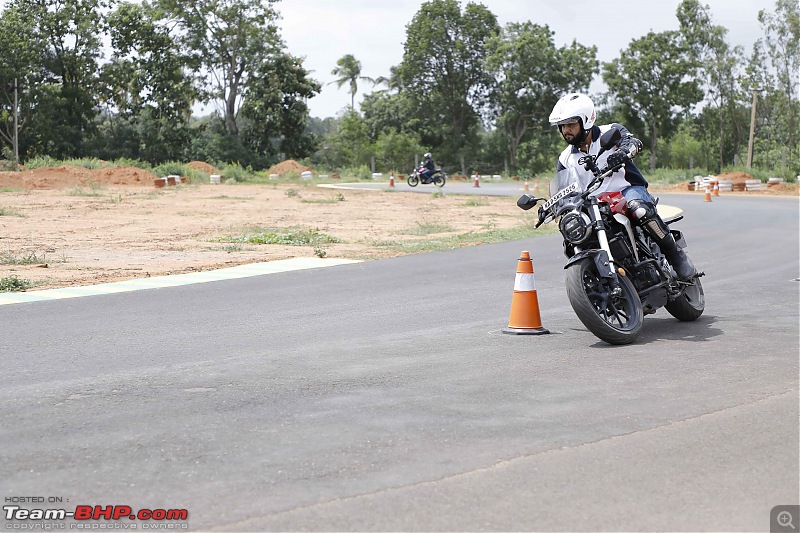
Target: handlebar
[589,162]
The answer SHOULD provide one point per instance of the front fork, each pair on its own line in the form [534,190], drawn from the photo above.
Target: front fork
[606,265]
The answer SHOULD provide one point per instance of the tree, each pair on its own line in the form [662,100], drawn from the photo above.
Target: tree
[146,83]
[384,113]
[397,150]
[21,73]
[443,71]
[718,67]
[653,79]
[276,108]
[531,75]
[782,45]
[348,68]
[349,146]
[227,40]
[61,91]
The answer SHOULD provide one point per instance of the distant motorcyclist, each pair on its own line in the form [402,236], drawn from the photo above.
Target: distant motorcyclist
[574,114]
[430,166]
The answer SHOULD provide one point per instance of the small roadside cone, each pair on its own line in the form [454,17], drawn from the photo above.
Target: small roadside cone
[715,192]
[477,182]
[535,186]
[525,318]
[391,179]
[526,184]
[708,195]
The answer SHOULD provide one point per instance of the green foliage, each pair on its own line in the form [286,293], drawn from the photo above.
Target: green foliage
[359,173]
[348,70]
[684,149]
[8,212]
[443,71]
[276,113]
[235,172]
[31,258]
[524,230]
[174,168]
[428,228]
[395,151]
[474,94]
[14,284]
[652,79]
[533,74]
[294,236]
[228,41]
[349,145]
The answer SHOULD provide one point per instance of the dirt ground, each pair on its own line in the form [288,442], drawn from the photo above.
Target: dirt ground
[69,226]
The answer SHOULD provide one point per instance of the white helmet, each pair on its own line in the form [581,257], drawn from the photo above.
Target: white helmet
[574,106]
[427,155]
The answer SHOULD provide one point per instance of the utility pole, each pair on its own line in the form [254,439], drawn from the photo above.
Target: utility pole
[752,130]
[16,122]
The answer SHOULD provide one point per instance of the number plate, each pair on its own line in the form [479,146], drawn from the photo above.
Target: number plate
[563,193]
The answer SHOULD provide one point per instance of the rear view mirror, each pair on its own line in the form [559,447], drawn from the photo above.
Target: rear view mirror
[526,201]
[610,138]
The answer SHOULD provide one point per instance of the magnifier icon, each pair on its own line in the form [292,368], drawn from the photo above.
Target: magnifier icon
[785,519]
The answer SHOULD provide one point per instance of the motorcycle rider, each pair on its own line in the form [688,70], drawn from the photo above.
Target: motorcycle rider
[429,167]
[574,114]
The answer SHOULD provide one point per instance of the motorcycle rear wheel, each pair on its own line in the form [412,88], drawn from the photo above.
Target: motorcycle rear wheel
[613,319]
[690,304]
[440,179]
[413,180]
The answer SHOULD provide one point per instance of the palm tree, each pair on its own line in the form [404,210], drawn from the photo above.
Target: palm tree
[349,70]
[392,83]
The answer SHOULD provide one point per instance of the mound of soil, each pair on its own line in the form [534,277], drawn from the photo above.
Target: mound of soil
[72,176]
[203,167]
[290,165]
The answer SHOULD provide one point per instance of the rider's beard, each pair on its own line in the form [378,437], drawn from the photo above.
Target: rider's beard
[576,140]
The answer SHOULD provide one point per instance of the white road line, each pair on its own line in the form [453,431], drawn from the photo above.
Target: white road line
[241,271]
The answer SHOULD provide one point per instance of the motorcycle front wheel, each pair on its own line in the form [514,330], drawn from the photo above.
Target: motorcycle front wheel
[413,180]
[690,304]
[439,179]
[613,319]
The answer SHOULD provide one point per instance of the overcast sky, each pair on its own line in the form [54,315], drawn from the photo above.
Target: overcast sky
[374,31]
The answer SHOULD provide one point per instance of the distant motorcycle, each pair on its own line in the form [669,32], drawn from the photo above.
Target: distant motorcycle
[616,274]
[438,178]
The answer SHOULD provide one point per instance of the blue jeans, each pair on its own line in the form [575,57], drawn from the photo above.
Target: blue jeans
[637,192]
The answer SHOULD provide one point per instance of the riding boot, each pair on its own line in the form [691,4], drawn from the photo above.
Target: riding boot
[677,257]
[645,213]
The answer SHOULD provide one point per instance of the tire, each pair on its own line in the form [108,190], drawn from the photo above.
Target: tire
[690,304]
[413,180]
[440,179]
[615,320]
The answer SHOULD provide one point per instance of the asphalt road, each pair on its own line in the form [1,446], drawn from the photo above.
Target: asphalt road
[485,188]
[383,396]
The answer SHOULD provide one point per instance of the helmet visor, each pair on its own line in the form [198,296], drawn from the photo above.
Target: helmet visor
[570,120]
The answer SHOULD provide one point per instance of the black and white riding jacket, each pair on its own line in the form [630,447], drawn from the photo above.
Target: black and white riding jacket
[619,180]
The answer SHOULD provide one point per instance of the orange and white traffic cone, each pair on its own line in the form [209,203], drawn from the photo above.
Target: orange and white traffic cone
[391,179]
[525,318]
[715,191]
[477,182]
[708,195]
[535,186]
[526,184]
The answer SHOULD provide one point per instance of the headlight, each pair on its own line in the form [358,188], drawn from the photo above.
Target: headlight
[575,227]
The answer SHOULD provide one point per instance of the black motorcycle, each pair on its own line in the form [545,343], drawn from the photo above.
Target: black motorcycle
[616,273]
[438,177]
